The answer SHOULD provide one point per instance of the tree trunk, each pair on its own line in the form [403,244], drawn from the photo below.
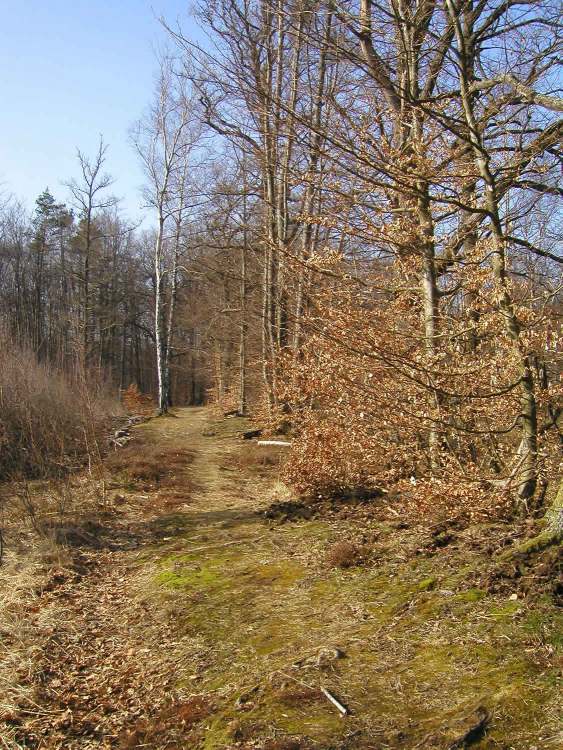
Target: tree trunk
[243,322]
[158,322]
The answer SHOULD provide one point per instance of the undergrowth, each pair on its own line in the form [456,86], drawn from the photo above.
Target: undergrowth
[50,423]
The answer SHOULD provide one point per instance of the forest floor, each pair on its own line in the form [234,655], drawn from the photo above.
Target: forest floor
[200,609]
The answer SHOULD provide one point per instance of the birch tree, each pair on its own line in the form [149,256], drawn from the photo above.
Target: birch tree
[165,140]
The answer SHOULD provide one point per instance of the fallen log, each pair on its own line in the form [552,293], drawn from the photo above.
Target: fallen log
[281,443]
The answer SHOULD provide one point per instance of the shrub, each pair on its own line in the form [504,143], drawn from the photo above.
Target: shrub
[440,428]
[342,555]
[49,423]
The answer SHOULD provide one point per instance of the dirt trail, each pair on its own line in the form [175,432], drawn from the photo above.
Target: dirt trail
[199,624]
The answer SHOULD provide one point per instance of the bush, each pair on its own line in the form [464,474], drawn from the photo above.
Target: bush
[343,555]
[49,423]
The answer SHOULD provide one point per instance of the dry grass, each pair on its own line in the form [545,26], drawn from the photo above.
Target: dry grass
[145,463]
[45,512]
[281,492]
[261,460]
[284,744]
[42,521]
[49,424]
[24,627]
[38,518]
[48,427]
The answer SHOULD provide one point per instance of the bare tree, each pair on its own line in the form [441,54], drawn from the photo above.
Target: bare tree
[87,194]
[164,141]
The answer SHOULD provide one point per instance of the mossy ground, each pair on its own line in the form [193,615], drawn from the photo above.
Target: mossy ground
[230,613]
[421,644]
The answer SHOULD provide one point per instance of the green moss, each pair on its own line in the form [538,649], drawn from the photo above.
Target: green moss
[185,578]
[324,587]
[275,635]
[218,735]
[535,544]
[534,622]
[545,623]
[180,570]
[281,575]
[320,724]
[471,595]
[172,522]
[427,584]
[506,611]
[434,660]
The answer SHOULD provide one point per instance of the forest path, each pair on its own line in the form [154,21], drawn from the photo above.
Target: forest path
[109,658]
[201,624]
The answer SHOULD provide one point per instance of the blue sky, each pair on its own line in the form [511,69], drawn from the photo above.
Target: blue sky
[70,70]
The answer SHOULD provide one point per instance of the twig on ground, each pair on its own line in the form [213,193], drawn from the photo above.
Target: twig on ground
[343,710]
